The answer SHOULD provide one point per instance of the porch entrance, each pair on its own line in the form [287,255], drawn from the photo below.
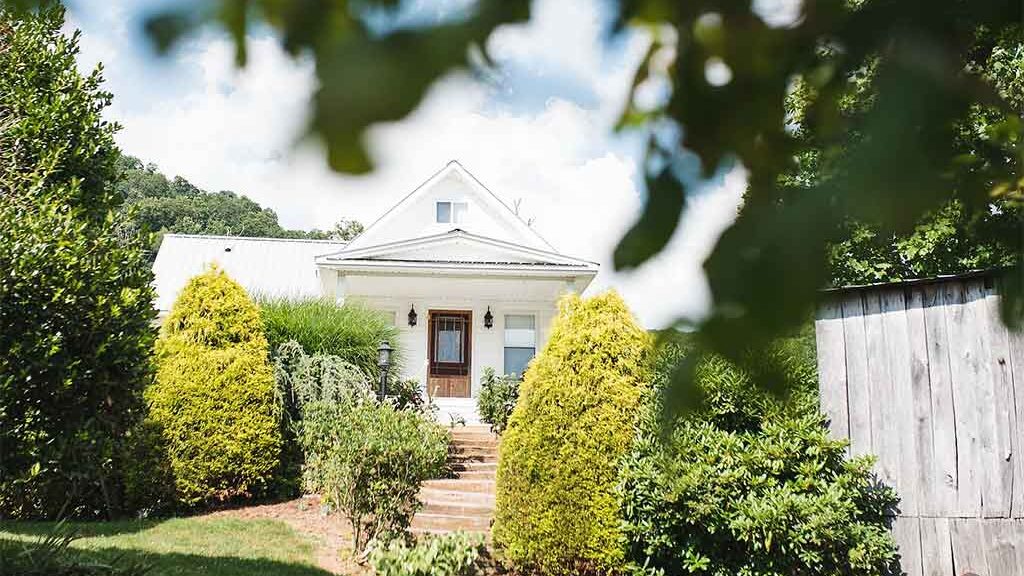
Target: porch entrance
[449,352]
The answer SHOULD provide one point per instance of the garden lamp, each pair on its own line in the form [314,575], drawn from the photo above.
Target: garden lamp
[384,362]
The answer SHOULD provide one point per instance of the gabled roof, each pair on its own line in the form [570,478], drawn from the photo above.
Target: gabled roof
[468,184]
[275,267]
[458,250]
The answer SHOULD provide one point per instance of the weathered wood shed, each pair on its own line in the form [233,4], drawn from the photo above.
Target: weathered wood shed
[924,375]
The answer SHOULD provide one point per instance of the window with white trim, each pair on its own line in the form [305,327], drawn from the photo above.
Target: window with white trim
[520,342]
[451,212]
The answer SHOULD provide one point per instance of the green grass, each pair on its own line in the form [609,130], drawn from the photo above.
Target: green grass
[188,546]
[351,331]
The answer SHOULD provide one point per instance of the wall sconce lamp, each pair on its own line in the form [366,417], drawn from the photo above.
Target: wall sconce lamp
[488,318]
[412,315]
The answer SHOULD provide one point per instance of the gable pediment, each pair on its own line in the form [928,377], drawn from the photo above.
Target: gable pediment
[456,246]
[451,198]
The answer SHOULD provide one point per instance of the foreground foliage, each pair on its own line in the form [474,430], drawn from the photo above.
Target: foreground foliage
[723,72]
[350,332]
[75,299]
[557,507]
[750,485]
[368,461]
[214,396]
[453,554]
[497,398]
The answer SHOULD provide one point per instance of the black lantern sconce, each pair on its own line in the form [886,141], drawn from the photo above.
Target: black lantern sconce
[412,315]
[488,318]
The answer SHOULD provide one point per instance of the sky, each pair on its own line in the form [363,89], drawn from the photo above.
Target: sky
[539,133]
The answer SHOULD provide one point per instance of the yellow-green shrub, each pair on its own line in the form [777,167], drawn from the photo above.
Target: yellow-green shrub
[557,506]
[213,397]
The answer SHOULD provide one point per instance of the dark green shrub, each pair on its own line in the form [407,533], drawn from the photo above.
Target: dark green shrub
[497,398]
[407,395]
[75,298]
[214,396]
[368,461]
[352,332]
[557,504]
[453,554]
[750,485]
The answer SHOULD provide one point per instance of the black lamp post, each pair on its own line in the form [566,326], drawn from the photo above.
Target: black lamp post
[384,362]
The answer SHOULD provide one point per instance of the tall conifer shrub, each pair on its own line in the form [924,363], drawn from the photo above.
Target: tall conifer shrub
[214,396]
[557,506]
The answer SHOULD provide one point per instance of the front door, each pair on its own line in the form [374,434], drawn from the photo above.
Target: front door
[448,349]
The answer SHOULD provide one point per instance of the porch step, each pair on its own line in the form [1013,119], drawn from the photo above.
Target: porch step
[451,410]
[465,502]
[460,485]
[470,466]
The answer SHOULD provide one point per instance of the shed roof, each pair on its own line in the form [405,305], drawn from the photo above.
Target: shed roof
[276,267]
[969,274]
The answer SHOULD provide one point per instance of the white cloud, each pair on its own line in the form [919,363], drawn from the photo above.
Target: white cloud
[228,129]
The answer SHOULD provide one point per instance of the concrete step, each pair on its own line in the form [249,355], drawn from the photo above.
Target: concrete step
[459,485]
[433,531]
[451,522]
[474,443]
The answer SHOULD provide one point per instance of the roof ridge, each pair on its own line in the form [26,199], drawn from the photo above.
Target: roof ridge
[255,238]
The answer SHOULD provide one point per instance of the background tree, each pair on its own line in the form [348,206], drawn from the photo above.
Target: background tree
[75,300]
[156,204]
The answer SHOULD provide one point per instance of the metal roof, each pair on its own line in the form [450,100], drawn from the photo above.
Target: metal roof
[263,266]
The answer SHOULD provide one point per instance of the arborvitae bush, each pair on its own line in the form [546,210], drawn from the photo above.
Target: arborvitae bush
[214,396]
[749,484]
[557,505]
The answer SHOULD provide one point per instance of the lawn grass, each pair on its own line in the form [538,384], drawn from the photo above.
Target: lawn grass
[189,546]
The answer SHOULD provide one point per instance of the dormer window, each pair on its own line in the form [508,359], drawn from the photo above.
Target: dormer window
[452,212]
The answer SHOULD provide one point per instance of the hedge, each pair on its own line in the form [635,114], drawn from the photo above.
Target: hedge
[214,396]
[557,506]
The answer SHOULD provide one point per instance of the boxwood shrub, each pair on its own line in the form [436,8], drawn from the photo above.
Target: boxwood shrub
[557,505]
[214,395]
[750,484]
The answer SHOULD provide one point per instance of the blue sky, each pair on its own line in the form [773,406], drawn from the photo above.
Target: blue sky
[540,132]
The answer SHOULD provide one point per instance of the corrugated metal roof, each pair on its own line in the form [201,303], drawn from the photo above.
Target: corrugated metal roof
[263,266]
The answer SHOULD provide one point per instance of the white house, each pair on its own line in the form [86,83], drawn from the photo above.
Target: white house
[467,282]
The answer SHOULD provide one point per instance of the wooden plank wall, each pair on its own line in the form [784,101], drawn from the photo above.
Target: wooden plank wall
[928,379]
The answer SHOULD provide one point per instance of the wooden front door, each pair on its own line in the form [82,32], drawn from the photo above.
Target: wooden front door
[448,349]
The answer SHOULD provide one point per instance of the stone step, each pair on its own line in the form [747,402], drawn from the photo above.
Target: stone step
[450,522]
[432,531]
[475,444]
[428,494]
[477,475]
[456,507]
[472,452]
[459,485]
[459,467]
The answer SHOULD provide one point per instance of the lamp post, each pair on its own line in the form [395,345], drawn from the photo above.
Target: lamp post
[384,362]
